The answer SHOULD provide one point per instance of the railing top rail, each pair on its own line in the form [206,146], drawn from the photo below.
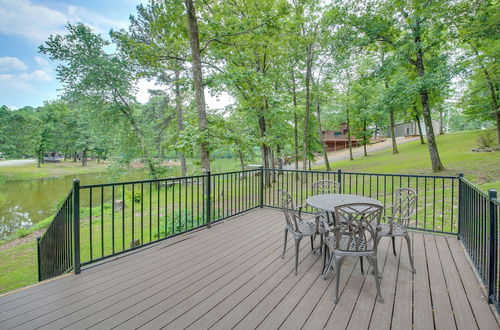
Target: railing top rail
[475,188]
[366,173]
[235,172]
[56,215]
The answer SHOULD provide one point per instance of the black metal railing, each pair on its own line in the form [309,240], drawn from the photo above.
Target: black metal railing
[104,220]
[478,222]
[55,247]
[437,203]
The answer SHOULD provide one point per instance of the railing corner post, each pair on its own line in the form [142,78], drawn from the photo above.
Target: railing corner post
[493,248]
[76,226]
[38,259]
[261,186]
[208,199]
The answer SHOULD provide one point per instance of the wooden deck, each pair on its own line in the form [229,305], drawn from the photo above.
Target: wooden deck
[232,276]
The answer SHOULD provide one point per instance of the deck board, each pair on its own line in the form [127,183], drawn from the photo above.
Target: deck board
[232,275]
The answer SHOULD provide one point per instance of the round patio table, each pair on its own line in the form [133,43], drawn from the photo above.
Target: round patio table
[328,202]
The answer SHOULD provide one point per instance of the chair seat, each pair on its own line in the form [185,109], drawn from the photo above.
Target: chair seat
[397,230]
[307,228]
[331,242]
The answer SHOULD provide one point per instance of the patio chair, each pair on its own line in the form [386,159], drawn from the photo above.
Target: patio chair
[325,187]
[296,225]
[356,237]
[403,208]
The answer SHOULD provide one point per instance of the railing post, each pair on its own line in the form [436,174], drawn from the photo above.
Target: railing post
[492,272]
[339,179]
[208,199]
[38,259]
[460,204]
[76,225]
[261,186]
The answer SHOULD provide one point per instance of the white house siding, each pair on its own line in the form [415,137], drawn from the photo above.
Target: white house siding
[411,128]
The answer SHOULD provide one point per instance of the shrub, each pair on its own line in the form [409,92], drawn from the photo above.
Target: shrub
[486,140]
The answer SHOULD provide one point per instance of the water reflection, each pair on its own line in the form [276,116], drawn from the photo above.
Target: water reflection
[25,202]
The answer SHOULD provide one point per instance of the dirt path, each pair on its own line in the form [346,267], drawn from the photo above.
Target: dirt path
[358,151]
[17,162]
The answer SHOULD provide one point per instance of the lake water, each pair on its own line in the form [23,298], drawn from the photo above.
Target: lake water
[25,202]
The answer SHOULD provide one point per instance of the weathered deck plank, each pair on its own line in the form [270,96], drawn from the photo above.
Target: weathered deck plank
[233,276]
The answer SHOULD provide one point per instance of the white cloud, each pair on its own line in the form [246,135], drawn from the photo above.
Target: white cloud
[37,75]
[12,64]
[42,63]
[36,22]
[5,77]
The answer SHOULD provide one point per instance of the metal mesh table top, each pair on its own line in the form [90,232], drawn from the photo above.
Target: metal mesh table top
[328,202]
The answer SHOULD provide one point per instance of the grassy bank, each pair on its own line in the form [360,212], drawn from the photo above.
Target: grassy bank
[31,171]
[455,149]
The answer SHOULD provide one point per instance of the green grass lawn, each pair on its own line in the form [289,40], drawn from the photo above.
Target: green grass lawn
[30,171]
[482,168]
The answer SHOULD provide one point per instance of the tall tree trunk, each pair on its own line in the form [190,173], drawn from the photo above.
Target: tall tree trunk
[295,124]
[441,122]
[178,109]
[198,84]
[365,140]
[66,152]
[393,132]
[39,158]
[419,125]
[242,159]
[493,96]
[280,157]
[264,149]
[74,156]
[308,105]
[84,157]
[348,119]
[437,165]
[320,133]
[392,116]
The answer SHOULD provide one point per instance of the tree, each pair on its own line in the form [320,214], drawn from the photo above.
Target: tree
[477,29]
[198,84]
[89,74]
[157,40]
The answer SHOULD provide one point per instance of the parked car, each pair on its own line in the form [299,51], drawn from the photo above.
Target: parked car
[52,157]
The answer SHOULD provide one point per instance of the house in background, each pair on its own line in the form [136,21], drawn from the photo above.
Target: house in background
[337,139]
[411,128]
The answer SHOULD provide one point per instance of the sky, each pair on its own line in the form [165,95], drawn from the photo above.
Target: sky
[28,77]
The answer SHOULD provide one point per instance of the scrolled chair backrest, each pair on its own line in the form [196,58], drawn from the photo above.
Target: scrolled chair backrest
[358,233]
[291,215]
[325,187]
[404,206]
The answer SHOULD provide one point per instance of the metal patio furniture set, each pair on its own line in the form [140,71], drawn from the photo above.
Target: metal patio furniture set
[348,226]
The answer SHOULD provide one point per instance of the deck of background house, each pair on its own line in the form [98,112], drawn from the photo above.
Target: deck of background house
[232,275]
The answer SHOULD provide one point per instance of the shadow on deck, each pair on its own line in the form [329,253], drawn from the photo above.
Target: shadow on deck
[232,275]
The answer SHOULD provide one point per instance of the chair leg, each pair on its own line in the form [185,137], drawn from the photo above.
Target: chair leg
[361,264]
[297,244]
[312,243]
[338,263]
[377,278]
[328,264]
[324,260]
[284,246]
[407,237]
[393,245]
